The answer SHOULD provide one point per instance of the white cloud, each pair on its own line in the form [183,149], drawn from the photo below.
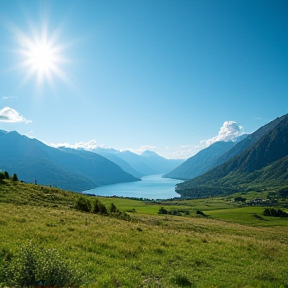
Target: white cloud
[90,145]
[10,115]
[182,152]
[228,132]
[8,97]
[30,134]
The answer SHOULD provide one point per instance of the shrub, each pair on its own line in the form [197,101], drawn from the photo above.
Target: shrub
[34,266]
[99,208]
[162,210]
[201,213]
[274,213]
[113,208]
[83,204]
[239,199]
[182,281]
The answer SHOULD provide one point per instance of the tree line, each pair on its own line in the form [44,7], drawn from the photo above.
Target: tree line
[5,175]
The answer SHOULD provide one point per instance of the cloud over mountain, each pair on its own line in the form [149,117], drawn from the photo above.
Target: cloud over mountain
[229,131]
[89,145]
[10,115]
[141,149]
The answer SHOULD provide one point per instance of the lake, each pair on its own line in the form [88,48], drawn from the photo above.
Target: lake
[150,187]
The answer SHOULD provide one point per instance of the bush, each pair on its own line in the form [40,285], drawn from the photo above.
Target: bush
[83,204]
[274,213]
[182,281]
[201,213]
[99,208]
[239,199]
[162,210]
[34,266]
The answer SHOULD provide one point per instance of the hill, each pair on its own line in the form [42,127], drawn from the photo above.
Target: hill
[75,170]
[259,166]
[200,251]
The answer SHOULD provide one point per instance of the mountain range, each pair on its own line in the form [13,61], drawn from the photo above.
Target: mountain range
[75,169]
[201,162]
[258,161]
[148,163]
[70,169]
[255,161]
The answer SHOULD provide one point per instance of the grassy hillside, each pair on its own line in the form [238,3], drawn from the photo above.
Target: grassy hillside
[229,248]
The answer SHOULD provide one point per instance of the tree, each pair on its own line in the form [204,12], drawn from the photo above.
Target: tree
[14,178]
[103,210]
[113,208]
[99,208]
[239,199]
[96,208]
[83,204]
[6,175]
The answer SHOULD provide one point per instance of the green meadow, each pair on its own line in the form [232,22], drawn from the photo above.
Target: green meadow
[231,247]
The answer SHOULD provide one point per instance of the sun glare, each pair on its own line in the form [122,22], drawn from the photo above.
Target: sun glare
[41,54]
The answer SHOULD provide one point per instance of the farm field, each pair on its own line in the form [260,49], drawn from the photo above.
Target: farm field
[229,248]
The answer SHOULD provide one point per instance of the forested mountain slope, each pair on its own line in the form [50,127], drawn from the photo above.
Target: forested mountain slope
[258,166]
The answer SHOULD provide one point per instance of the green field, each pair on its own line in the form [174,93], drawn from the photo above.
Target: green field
[229,248]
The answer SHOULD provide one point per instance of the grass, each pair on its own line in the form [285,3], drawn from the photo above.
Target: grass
[230,248]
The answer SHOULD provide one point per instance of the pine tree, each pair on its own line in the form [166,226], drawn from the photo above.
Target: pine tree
[6,175]
[14,178]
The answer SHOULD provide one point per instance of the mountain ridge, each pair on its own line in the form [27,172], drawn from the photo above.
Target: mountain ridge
[69,169]
[250,165]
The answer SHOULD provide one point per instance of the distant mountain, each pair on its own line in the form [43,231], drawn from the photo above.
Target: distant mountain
[262,164]
[201,162]
[136,162]
[70,169]
[149,163]
[111,154]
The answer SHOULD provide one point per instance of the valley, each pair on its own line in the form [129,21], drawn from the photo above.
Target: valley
[228,228]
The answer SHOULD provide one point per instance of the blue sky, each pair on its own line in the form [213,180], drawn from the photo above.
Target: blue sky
[164,75]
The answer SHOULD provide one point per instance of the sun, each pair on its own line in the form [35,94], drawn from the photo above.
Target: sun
[41,54]
[42,57]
